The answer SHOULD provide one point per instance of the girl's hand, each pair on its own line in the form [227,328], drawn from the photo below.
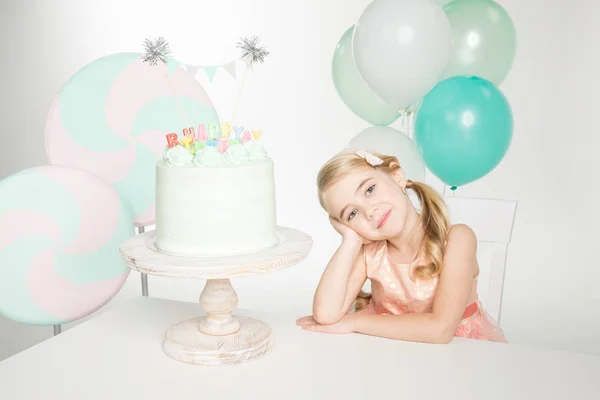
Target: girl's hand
[343,326]
[347,232]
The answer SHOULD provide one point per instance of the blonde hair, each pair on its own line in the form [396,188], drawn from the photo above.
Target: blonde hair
[433,216]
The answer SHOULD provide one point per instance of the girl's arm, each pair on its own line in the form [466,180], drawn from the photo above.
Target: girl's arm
[341,282]
[452,294]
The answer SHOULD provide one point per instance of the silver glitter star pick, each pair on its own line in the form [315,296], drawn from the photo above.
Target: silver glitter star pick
[251,52]
[156,51]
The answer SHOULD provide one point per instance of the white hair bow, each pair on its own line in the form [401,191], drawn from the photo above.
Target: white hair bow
[370,158]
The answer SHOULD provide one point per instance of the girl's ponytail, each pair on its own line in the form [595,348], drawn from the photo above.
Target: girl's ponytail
[434,221]
[362,300]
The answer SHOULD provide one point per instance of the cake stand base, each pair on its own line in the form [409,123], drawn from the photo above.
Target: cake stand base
[219,337]
[184,342]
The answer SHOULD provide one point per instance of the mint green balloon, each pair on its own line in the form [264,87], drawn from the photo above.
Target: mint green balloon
[463,129]
[484,40]
[442,2]
[354,92]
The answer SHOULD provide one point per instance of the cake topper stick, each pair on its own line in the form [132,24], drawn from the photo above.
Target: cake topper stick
[251,53]
[157,52]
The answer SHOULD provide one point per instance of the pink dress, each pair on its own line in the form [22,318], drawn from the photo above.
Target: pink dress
[395,292]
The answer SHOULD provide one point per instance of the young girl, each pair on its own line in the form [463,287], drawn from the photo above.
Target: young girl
[423,271]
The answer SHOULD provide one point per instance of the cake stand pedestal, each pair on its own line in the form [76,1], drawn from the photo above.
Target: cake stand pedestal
[219,337]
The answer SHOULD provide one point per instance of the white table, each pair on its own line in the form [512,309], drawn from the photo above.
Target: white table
[118,355]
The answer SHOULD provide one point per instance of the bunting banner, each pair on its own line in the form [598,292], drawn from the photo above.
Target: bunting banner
[230,68]
[210,71]
[223,83]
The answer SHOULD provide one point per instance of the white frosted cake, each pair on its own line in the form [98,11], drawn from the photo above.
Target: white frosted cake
[215,199]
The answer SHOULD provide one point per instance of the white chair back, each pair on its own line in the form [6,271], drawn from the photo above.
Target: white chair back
[492,221]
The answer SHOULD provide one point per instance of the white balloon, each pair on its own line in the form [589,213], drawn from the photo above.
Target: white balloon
[392,142]
[401,48]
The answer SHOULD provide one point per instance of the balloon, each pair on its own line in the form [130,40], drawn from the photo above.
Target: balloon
[442,2]
[353,91]
[401,48]
[386,140]
[485,41]
[463,129]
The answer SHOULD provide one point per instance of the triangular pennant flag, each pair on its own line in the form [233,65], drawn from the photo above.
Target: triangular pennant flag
[210,73]
[230,68]
[192,70]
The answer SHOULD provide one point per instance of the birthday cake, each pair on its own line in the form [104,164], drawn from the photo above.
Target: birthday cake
[215,196]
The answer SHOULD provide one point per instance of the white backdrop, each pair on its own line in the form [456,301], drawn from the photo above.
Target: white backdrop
[551,291]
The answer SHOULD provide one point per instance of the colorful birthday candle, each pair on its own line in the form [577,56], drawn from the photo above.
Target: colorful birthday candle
[247,136]
[238,131]
[172,140]
[186,142]
[214,130]
[190,133]
[197,145]
[225,130]
[223,144]
[202,135]
[257,134]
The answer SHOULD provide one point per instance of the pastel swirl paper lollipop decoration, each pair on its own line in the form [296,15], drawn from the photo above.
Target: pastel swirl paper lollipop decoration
[111,119]
[60,232]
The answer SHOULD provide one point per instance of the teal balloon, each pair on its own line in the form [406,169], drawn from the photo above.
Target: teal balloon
[484,40]
[353,91]
[463,129]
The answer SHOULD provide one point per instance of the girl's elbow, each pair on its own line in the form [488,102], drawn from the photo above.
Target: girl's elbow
[440,330]
[443,338]
[443,333]
[325,317]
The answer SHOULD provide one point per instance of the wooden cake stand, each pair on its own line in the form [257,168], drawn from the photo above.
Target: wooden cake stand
[219,337]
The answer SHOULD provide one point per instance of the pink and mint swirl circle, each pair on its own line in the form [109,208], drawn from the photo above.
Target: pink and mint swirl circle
[111,118]
[61,229]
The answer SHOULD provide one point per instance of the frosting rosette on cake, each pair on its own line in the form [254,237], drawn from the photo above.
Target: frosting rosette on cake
[178,156]
[255,150]
[236,154]
[208,156]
